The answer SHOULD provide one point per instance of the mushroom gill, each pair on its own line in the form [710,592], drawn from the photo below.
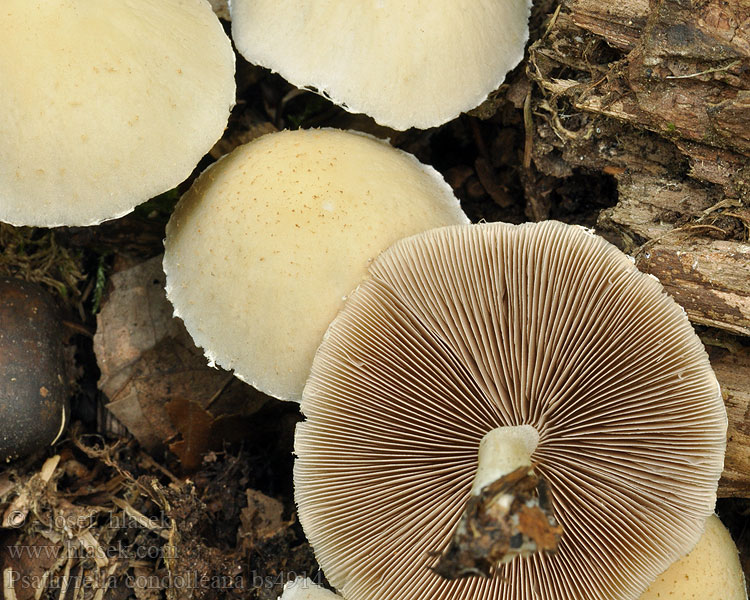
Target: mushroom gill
[463,330]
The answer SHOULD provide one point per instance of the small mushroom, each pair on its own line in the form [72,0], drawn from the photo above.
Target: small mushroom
[406,64]
[711,571]
[265,246]
[104,104]
[542,339]
[33,386]
[303,588]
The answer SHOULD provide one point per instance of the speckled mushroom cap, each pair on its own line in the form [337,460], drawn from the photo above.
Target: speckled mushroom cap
[417,63]
[105,104]
[463,329]
[263,249]
[711,571]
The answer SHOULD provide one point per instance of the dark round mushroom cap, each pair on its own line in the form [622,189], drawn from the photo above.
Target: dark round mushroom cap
[33,386]
[464,329]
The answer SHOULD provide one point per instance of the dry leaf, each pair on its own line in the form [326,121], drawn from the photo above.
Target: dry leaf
[200,431]
[147,359]
[261,519]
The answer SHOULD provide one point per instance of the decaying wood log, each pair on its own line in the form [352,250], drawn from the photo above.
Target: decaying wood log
[710,279]
[661,225]
[657,94]
[680,69]
[620,23]
[732,368]
[686,72]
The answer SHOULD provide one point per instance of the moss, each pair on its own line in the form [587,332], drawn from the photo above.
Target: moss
[34,255]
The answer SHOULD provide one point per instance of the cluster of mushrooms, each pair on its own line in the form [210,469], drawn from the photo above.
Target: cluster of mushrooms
[492,411]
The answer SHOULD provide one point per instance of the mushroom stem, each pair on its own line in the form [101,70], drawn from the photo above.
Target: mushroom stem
[503,450]
[507,513]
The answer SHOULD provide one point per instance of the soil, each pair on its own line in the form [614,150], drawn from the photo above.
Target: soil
[99,516]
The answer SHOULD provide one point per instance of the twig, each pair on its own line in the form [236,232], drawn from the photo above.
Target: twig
[152,463]
[552,21]
[78,328]
[223,387]
[706,72]
[139,517]
[528,125]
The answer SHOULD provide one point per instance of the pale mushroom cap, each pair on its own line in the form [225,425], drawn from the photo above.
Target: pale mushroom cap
[303,588]
[105,104]
[406,64]
[711,571]
[264,247]
[463,329]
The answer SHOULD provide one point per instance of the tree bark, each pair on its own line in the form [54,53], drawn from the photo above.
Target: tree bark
[664,226]
[732,368]
[637,88]
[656,94]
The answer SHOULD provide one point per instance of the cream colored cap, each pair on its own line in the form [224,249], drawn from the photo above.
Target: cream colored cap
[303,588]
[712,570]
[263,249]
[406,64]
[105,104]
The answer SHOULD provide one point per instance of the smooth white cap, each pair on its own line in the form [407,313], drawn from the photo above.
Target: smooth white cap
[418,63]
[105,104]
[303,588]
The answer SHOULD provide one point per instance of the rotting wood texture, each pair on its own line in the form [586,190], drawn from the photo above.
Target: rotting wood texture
[732,366]
[657,94]
[678,68]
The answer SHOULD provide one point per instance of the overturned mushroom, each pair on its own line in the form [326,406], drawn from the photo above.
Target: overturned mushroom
[406,64]
[104,104]
[264,247]
[467,330]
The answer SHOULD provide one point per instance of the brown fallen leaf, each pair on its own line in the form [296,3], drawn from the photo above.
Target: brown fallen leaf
[148,361]
[261,519]
[200,432]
